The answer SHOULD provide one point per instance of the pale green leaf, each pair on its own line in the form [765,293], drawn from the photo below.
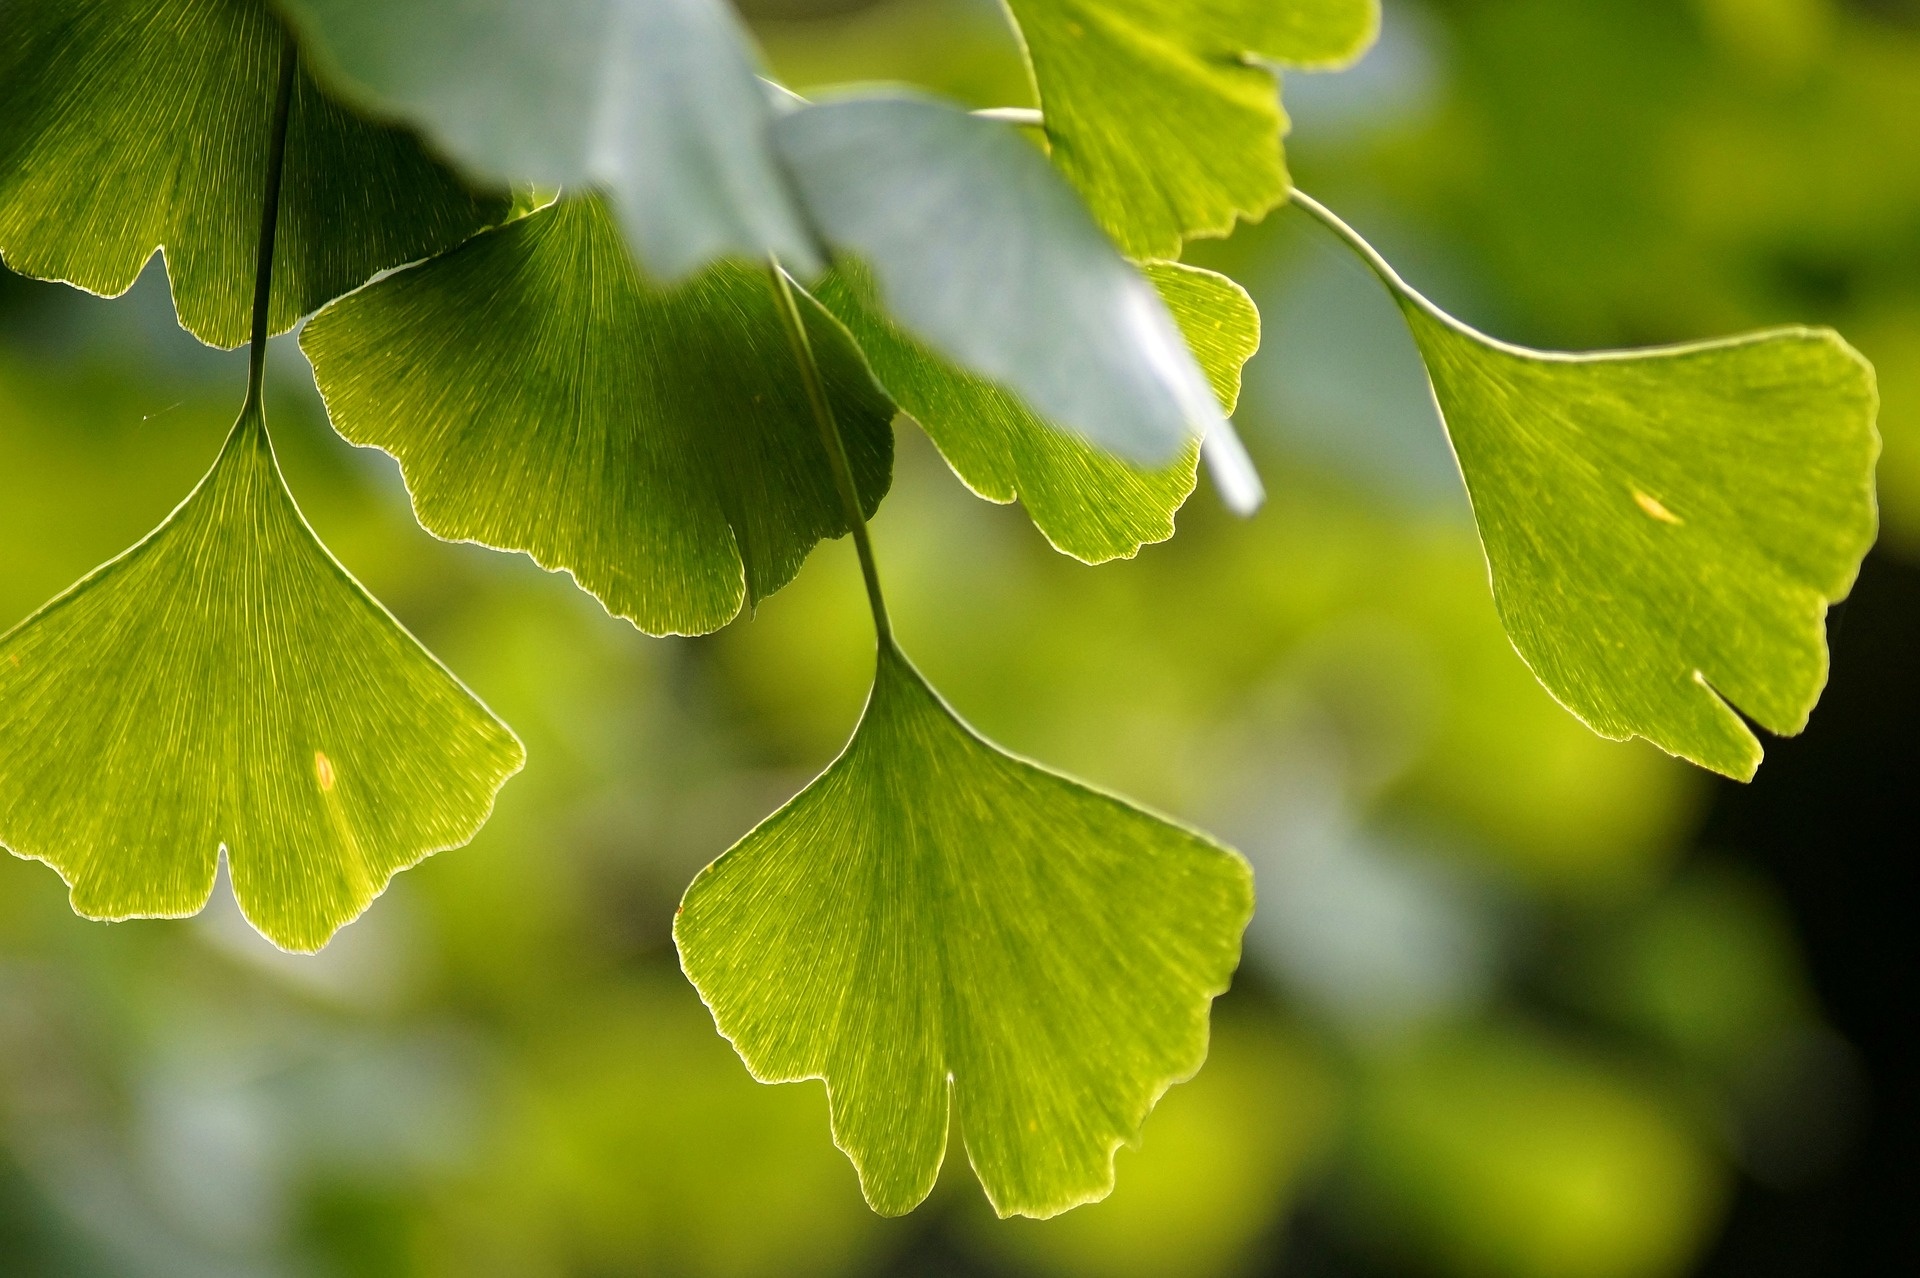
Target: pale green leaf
[1163,113]
[935,925]
[226,684]
[656,102]
[1089,504]
[128,126]
[658,444]
[979,250]
[1666,528]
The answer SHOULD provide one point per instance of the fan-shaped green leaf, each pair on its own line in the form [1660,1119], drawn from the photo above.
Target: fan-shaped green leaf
[226,684]
[1166,113]
[936,924]
[981,251]
[1664,528]
[1090,504]
[658,444]
[1667,527]
[128,126]
[653,101]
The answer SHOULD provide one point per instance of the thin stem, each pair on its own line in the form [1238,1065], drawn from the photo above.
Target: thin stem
[269,222]
[1368,254]
[1408,295]
[1375,263]
[830,438]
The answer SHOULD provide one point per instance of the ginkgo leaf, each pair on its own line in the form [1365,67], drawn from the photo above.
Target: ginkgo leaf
[655,102]
[1166,113]
[540,395]
[226,685]
[1664,528]
[128,126]
[936,926]
[1089,503]
[979,250]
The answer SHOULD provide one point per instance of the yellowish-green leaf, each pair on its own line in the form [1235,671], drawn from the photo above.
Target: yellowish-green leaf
[1665,528]
[226,684]
[938,928]
[128,126]
[540,395]
[1166,113]
[1089,503]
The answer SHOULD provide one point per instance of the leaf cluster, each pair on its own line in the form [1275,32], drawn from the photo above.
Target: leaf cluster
[673,362]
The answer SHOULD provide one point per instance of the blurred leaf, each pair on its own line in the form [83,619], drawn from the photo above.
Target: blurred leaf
[1090,504]
[1501,1156]
[542,396]
[934,920]
[957,49]
[133,125]
[1217,1167]
[1707,969]
[979,250]
[1166,113]
[655,102]
[633,1140]
[1666,528]
[225,684]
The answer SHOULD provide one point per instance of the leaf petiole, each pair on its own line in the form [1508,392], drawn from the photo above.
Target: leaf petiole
[830,439]
[269,224]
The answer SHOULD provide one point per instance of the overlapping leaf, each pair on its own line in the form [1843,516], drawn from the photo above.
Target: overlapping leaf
[1089,503]
[541,396]
[1162,112]
[982,253]
[653,101]
[937,929]
[132,125]
[227,685]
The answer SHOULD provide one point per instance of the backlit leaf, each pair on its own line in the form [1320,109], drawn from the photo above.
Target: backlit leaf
[541,396]
[655,102]
[1667,527]
[226,684]
[1166,113]
[1090,504]
[936,926]
[128,126]
[979,250]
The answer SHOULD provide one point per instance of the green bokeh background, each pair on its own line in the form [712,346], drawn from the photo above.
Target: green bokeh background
[1501,1013]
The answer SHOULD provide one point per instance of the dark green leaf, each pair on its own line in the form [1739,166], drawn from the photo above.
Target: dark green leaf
[653,101]
[128,126]
[541,396]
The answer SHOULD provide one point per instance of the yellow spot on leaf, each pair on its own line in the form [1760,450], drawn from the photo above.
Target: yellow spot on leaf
[323,768]
[1653,507]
